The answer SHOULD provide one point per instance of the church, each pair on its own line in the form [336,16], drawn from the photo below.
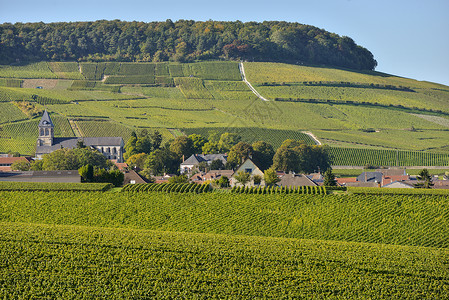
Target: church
[111,147]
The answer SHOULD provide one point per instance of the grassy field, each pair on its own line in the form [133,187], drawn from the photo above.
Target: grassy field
[55,261]
[211,95]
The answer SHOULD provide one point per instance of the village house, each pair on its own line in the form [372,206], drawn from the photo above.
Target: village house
[111,147]
[195,159]
[292,179]
[6,162]
[248,166]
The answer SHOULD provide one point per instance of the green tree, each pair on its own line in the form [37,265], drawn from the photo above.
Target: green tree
[87,173]
[137,160]
[262,155]
[426,179]
[270,177]
[329,178]
[162,161]
[21,165]
[217,164]
[257,179]
[239,153]
[198,142]
[182,145]
[243,177]
[227,141]
[223,182]
[178,179]
[211,148]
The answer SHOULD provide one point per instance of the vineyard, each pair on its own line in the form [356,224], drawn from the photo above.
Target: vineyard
[168,188]
[414,220]
[344,109]
[362,157]
[309,190]
[64,262]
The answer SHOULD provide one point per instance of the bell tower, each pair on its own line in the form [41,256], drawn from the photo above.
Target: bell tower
[46,131]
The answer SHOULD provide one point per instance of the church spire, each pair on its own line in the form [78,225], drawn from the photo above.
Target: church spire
[46,120]
[46,130]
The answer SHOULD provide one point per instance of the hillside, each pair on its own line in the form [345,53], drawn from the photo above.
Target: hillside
[404,120]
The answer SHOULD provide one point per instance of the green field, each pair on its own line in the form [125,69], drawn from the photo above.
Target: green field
[55,261]
[387,219]
[369,110]
[55,244]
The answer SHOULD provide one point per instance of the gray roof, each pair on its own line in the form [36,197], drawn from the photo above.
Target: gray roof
[195,159]
[70,143]
[24,174]
[370,177]
[46,120]
[295,180]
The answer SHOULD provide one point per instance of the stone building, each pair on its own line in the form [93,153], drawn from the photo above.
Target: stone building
[111,147]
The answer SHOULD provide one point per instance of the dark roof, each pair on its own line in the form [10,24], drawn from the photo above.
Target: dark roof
[46,120]
[197,158]
[295,180]
[25,174]
[370,177]
[70,143]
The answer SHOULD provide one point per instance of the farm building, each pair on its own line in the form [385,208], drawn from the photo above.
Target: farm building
[111,147]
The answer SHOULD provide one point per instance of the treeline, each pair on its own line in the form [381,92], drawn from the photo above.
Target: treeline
[180,41]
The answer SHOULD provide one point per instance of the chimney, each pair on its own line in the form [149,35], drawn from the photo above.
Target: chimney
[183,158]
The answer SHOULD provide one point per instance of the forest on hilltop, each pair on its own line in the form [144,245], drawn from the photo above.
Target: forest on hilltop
[181,41]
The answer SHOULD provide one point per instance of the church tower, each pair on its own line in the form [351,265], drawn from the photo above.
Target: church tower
[46,131]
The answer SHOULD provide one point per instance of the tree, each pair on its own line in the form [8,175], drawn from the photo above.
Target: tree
[239,153]
[137,160]
[329,178]
[426,179]
[162,161]
[286,159]
[211,148]
[223,182]
[262,155]
[21,165]
[182,146]
[217,164]
[257,179]
[73,159]
[198,142]
[243,177]
[87,173]
[178,179]
[227,141]
[298,157]
[270,177]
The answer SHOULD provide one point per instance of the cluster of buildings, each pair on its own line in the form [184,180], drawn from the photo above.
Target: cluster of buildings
[113,148]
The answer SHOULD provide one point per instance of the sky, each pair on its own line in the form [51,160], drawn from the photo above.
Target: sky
[407,38]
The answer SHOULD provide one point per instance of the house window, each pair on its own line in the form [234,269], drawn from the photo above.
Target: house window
[249,170]
[46,131]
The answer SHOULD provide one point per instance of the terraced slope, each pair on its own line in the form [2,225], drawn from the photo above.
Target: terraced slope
[342,108]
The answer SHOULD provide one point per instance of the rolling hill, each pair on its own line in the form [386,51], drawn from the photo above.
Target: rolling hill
[346,109]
